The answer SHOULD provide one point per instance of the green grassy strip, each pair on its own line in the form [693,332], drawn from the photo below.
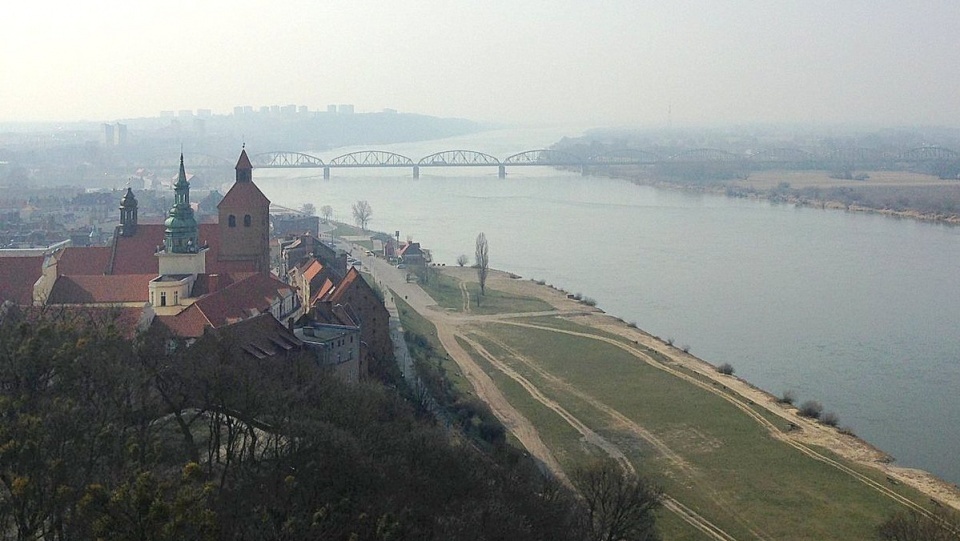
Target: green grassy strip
[446,291]
[785,493]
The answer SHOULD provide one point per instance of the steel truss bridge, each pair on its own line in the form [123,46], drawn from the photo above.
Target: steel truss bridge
[789,158]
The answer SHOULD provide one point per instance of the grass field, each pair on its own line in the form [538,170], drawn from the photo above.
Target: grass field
[592,393]
[735,473]
[447,292]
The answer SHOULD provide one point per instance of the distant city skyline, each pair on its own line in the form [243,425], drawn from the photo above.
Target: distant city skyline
[619,63]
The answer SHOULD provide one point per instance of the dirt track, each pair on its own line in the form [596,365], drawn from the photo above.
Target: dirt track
[451,325]
[810,433]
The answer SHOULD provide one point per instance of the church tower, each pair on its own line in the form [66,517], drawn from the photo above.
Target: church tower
[180,234]
[181,252]
[245,221]
[128,214]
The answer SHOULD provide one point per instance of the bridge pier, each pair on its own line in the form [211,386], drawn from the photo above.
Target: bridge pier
[502,171]
[416,171]
[326,172]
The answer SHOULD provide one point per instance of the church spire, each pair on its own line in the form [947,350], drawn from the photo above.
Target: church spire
[128,214]
[181,232]
[244,168]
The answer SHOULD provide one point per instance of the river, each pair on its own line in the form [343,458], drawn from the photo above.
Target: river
[856,311]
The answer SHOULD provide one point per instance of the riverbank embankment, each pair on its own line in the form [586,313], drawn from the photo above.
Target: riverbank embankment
[897,194]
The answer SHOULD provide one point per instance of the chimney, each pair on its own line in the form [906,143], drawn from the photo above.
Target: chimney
[214,282]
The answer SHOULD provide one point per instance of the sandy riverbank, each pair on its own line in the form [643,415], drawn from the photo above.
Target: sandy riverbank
[803,187]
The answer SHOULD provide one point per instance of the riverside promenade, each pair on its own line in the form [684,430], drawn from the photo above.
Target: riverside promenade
[393,281]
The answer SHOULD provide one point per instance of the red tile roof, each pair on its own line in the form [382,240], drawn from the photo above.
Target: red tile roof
[76,260]
[238,301]
[187,324]
[244,161]
[212,282]
[312,270]
[109,289]
[17,277]
[243,195]
[344,286]
[136,254]
[260,337]
[321,291]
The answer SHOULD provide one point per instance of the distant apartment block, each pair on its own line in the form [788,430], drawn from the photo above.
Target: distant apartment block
[120,135]
[345,108]
[106,138]
[113,135]
[331,108]
[204,113]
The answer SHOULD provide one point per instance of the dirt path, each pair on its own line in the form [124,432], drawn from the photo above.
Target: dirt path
[449,327]
[811,433]
[621,423]
[487,390]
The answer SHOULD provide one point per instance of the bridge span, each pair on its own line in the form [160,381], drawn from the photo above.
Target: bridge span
[789,158]
[446,158]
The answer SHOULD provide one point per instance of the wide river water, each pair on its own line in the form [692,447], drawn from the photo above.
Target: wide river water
[859,312]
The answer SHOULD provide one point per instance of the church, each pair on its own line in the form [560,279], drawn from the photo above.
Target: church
[193,281]
[180,275]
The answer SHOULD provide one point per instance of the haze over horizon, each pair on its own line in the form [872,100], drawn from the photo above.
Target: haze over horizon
[620,62]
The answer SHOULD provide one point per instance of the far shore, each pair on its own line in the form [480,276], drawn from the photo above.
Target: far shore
[801,188]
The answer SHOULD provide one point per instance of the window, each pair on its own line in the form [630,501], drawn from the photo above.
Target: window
[232,221]
[246,221]
[163,298]
[176,298]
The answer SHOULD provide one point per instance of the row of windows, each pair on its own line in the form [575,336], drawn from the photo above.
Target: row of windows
[163,298]
[232,220]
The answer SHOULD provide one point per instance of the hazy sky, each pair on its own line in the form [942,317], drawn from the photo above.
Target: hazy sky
[605,62]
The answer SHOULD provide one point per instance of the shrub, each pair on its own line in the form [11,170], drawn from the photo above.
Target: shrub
[589,301]
[789,397]
[685,348]
[830,418]
[669,341]
[726,369]
[632,324]
[811,409]
[577,296]
[847,431]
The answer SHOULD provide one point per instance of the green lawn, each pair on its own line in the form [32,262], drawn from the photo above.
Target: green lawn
[446,291]
[742,478]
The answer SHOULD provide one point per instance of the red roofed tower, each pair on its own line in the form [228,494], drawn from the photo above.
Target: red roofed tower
[245,220]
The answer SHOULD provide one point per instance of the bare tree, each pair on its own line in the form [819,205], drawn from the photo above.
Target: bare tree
[326,212]
[308,209]
[362,211]
[462,259]
[482,261]
[618,505]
